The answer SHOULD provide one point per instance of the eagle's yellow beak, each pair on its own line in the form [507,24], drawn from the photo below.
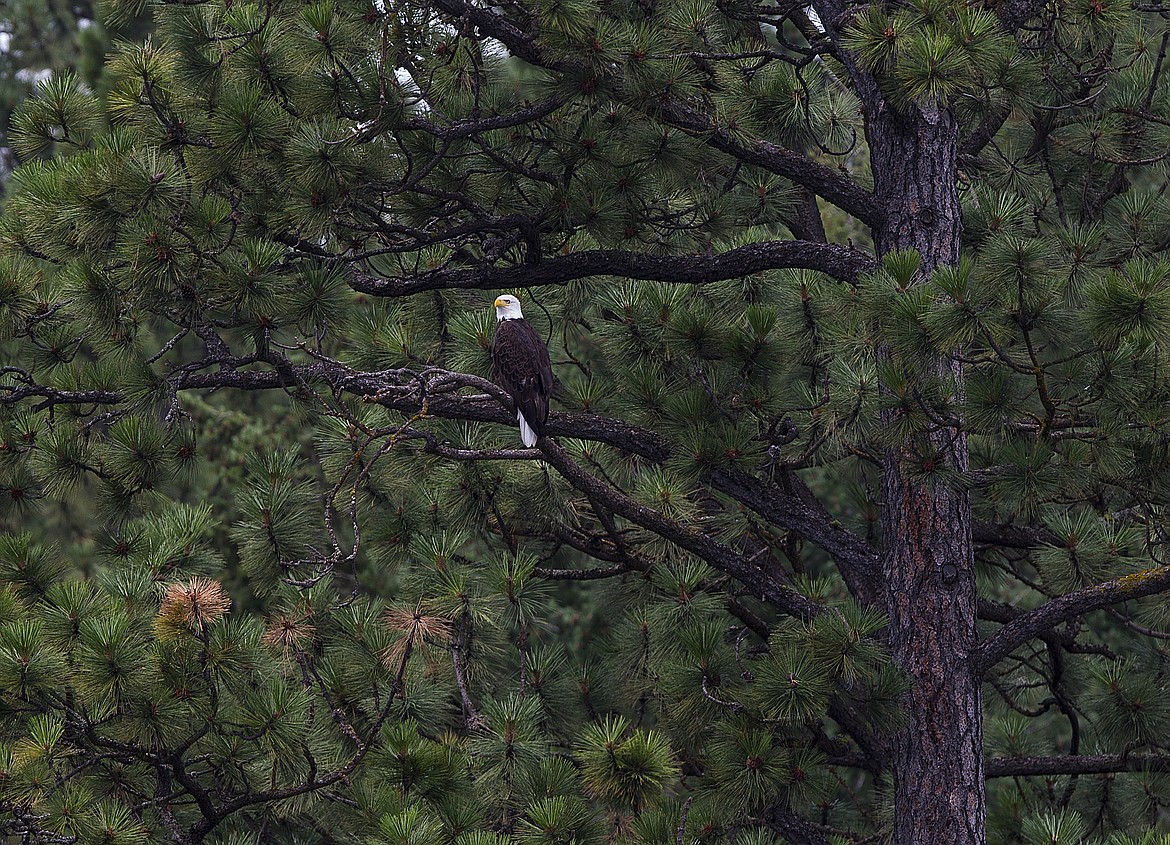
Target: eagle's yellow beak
[500,303]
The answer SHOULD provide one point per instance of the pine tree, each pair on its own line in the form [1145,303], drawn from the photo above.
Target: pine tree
[38,37]
[848,525]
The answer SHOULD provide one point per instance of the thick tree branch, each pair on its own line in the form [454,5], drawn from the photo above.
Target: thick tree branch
[971,146]
[762,583]
[10,395]
[844,713]
[795,505]
[520,43]
[1011,536]
[806,223]
[1032,623]
[748,617]
[406,391]
[994,611]
[1082,764]
[837,261]
[826,182]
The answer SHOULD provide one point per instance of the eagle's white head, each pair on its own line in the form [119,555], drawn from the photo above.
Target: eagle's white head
[508,308]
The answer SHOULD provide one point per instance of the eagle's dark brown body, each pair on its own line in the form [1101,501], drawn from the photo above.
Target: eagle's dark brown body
[521,366]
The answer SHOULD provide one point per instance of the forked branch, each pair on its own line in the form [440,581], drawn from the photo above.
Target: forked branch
[1065,608]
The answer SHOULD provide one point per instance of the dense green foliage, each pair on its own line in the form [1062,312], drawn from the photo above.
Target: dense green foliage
[268,714]
[276,569]
[38,37]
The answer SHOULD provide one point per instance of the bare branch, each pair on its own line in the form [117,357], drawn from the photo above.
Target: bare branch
[581,574]
[1082,764]
[434,447]
[837,261]
[11,395]
[971,146]
[466,128]
[1011,536]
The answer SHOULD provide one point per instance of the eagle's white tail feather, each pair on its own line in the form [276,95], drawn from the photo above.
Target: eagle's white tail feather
[526,432]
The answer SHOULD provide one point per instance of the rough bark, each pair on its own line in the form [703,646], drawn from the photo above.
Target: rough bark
[927,560]
[840,262]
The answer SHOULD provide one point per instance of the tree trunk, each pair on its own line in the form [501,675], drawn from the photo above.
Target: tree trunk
[927,561]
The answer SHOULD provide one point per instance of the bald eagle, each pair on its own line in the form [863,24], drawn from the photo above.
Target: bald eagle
[521,366]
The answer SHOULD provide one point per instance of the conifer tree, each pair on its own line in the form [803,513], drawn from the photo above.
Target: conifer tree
[40,36]
[848,524]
